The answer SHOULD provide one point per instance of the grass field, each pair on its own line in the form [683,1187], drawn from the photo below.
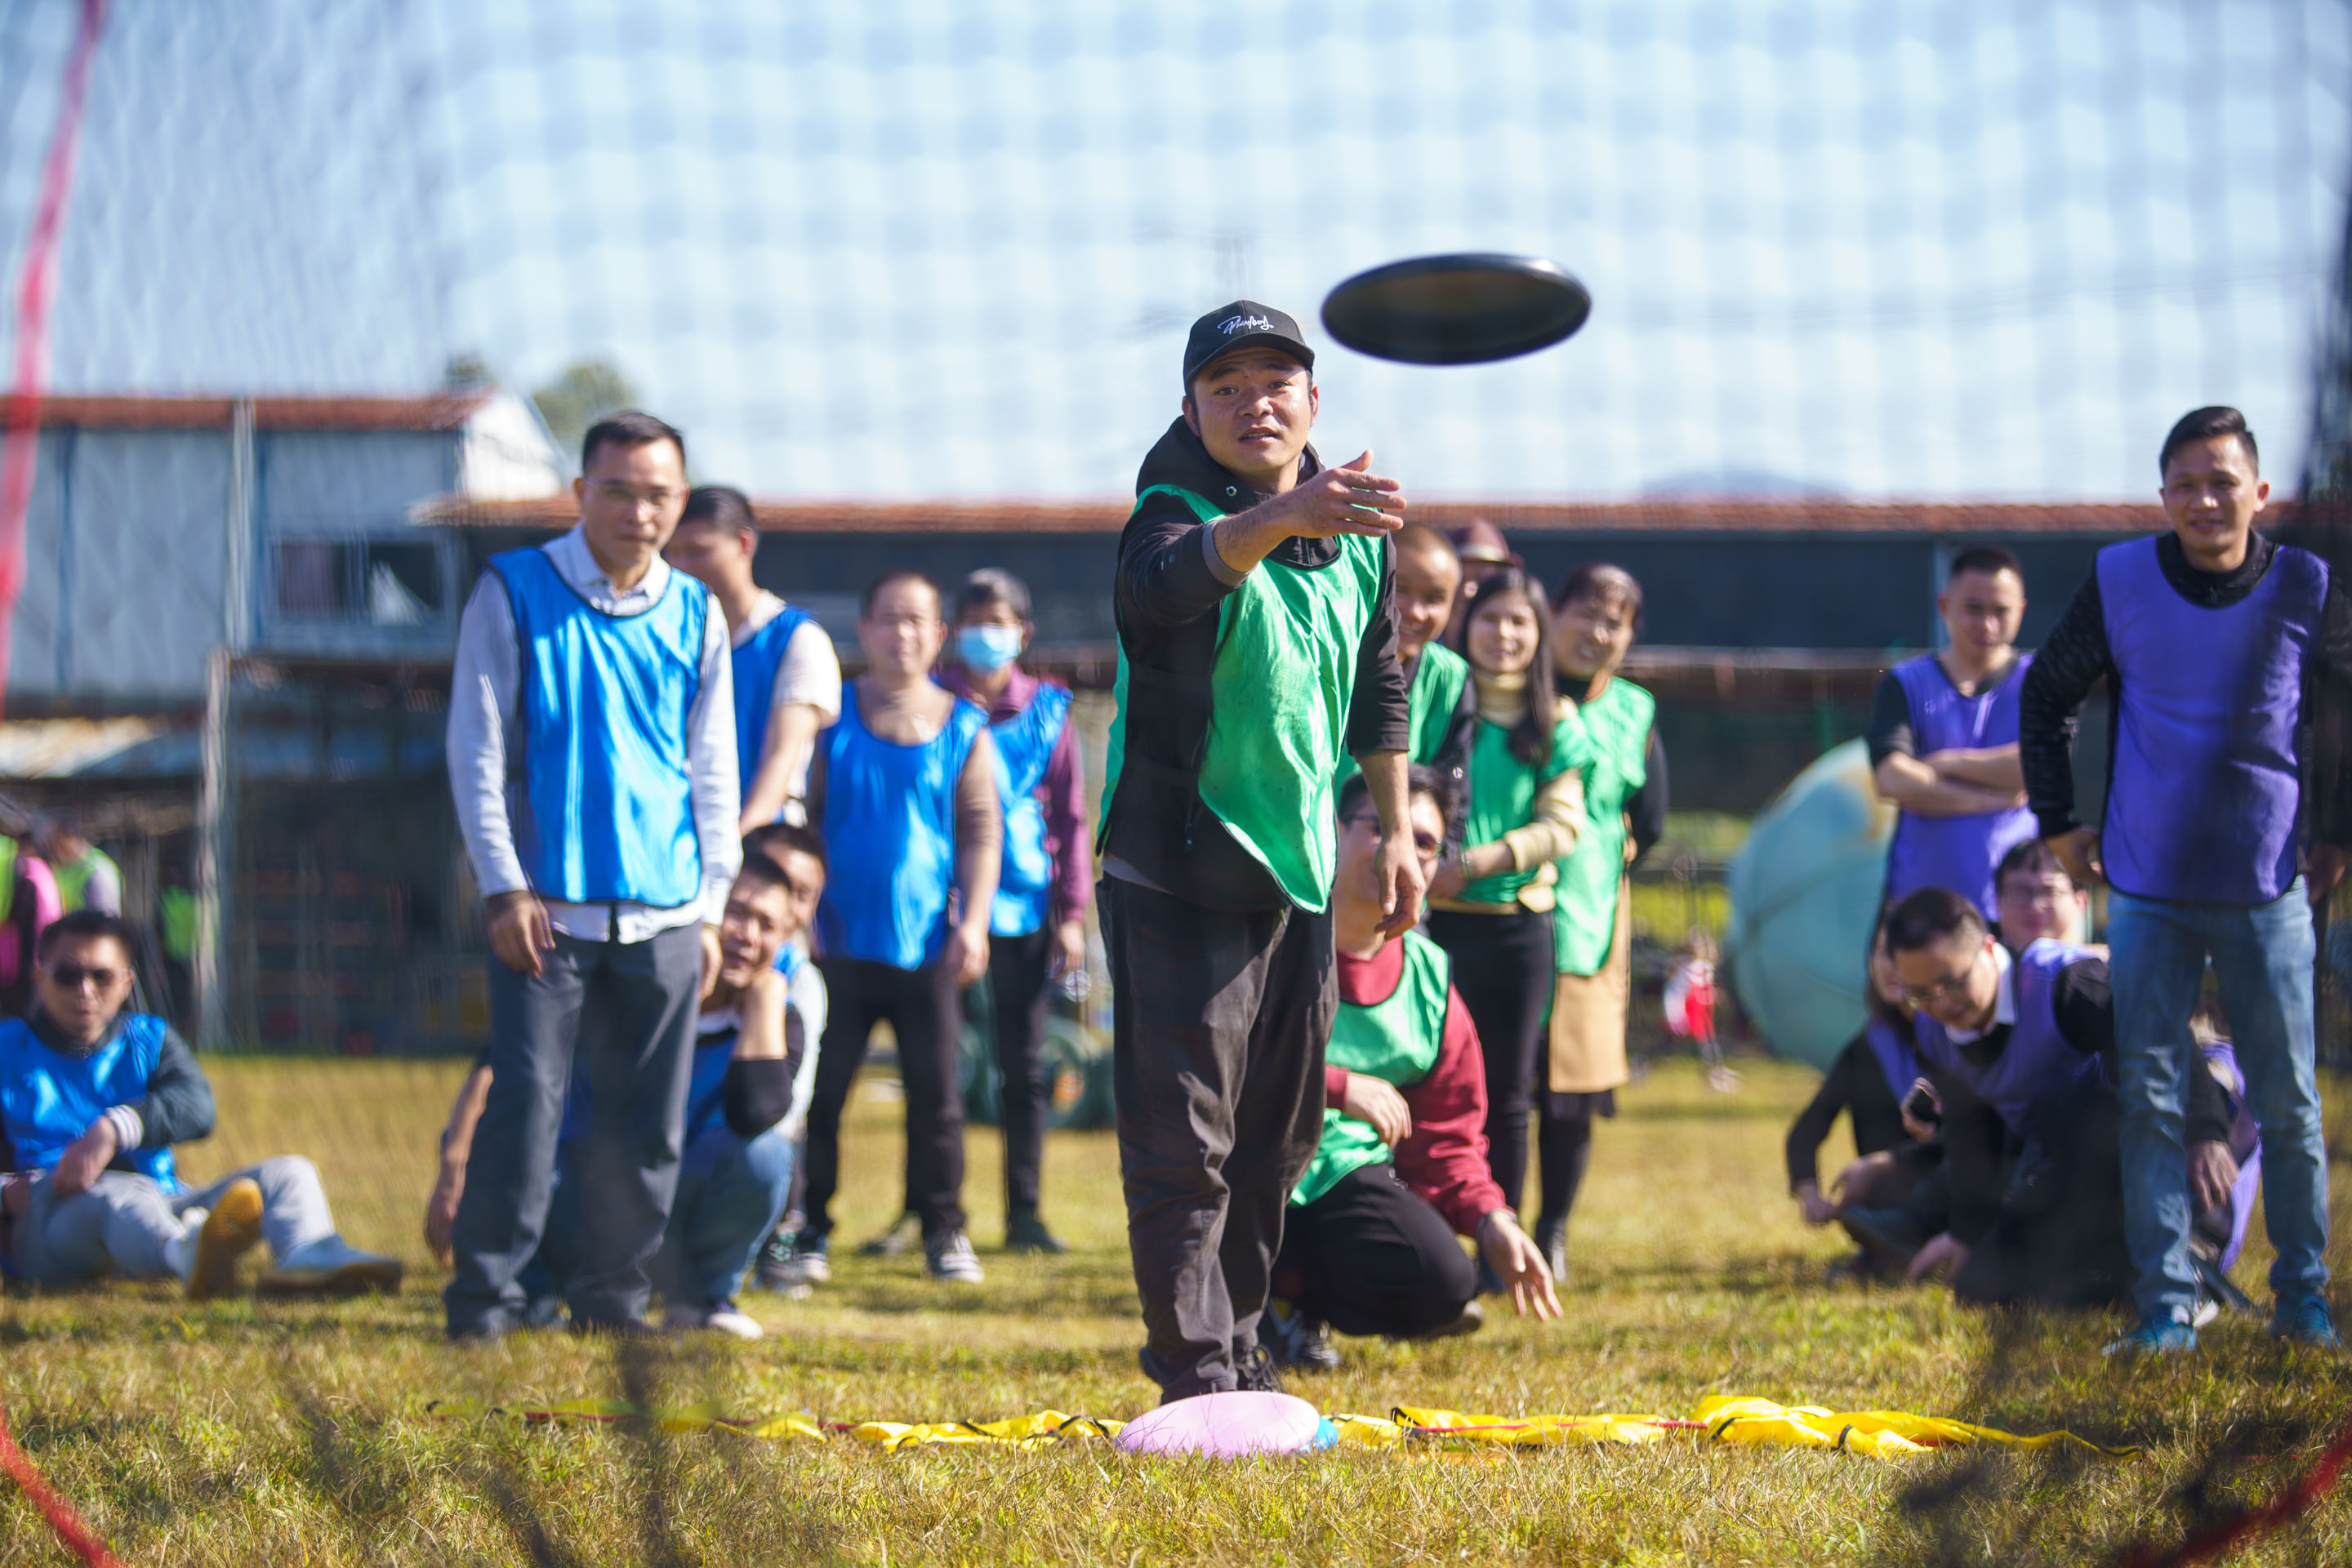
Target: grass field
[246,1432]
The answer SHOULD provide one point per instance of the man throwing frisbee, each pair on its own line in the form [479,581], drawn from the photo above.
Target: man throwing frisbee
[1256,647]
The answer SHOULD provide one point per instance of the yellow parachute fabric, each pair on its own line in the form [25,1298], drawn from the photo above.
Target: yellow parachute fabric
[1046,1427]
[1883,1434]
[1514,1431]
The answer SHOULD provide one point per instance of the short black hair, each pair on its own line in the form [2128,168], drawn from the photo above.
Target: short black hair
[989,587]
[83,925]
[1600,580]
[721,505]
[1419,780]
[1930,916]
[891,579]
[2034,859]
[778,840]
[1988,558]
[2201,423]
[629,429]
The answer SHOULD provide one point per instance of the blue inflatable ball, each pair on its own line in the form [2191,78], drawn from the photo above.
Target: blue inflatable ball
[1804,893]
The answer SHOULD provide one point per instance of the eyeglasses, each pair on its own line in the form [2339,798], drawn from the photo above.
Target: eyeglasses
[1428,848]
[73,976]
[1949,986]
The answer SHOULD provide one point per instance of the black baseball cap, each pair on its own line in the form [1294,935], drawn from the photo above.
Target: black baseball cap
[1245,323]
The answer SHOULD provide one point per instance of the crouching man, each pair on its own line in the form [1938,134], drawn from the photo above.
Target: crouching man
[1368,1244]
[749,1097]
[2020,1052]
[91,1099]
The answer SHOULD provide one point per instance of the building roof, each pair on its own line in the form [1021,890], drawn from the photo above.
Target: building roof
[1711,517]
[434,411]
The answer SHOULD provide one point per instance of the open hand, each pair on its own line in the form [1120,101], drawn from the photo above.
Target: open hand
[1350,499]
[1817,1209]
[1402,886]
[441,1212]
[1519,1263]
[965,953]
[2213,1171]
[1944,1251]
[520,932]
[2078,851]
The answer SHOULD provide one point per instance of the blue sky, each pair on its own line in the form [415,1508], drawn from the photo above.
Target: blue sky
[948,248]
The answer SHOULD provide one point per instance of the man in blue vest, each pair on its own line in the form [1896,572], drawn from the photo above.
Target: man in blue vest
[592,759]
[91,1099]
[754,1054]
[787,680]
[1257,644]
[1943,737]
[2021,1050]
[2227,660]
[1038,931]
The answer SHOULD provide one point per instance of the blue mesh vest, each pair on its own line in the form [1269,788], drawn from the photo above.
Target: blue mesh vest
[605,813]
[2206,785]
[1025,744]
[755,665]
[1956,852]
[49,1098]
[2036,1060]
[889,837]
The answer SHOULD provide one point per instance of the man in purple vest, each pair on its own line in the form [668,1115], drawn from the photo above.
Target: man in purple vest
[1943,737]
[2220,649]
[2020,1052]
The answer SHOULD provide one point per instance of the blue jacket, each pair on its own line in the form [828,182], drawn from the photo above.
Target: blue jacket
[50,1093]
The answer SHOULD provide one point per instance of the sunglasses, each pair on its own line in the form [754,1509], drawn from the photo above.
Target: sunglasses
[73,976]
[1428,848]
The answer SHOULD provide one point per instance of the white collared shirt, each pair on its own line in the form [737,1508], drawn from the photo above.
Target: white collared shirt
[483,709]
[2004,1001]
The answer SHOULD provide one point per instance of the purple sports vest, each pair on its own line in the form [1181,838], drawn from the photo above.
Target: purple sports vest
[2202,805]
[1894,1055]
[1955,852]
[2037,1060]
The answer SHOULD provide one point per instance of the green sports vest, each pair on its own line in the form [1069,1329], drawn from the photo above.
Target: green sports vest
[1503,795]
[1396,1041]
[1434,697]
[7,876]
[1584,920]
[1278,695]
[73,881]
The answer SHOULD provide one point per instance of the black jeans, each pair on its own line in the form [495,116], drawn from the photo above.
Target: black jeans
[1219,1022]
[1503,968]
[921,1009]
[625,1011]
[1370,1256]
[1018,992]
[2058,1237]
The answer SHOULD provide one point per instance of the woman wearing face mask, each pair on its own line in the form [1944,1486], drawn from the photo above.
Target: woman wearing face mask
[1039,926]
[1625,812]
[1491,903]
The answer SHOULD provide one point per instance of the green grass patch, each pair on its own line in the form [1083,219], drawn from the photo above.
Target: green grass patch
[250,1432]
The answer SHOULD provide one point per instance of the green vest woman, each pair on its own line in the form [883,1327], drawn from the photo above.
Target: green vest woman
[1524,756]
[1625,805]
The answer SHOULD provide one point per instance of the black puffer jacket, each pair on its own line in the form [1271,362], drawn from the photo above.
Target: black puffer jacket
[1166,601]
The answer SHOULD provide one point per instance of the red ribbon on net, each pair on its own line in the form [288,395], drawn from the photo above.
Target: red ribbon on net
[78,1537]
[35,293]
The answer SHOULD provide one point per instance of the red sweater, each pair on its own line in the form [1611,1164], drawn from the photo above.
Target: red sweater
[1445,1159]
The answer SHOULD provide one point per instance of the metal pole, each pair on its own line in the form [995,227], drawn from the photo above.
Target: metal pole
[216,801]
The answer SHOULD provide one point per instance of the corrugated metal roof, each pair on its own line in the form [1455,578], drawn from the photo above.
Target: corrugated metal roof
[436,411]
[1701,517]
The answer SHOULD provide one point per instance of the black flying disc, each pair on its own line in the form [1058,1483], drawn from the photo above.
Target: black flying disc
[1457,310]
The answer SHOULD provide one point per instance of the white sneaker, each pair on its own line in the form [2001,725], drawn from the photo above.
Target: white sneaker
[952,1261]
[179,1252]
[725,1317]
[332,1266]
[2207,1310]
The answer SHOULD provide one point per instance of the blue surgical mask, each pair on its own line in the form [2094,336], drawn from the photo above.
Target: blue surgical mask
[988,648]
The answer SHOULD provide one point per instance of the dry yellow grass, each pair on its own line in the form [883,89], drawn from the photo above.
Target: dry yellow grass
[247,1432]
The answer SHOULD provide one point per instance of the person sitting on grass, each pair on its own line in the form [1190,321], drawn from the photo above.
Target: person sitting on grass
[91,1099]
[1368,1243]
[2021,1053]
[752,1073]
[1868,1082]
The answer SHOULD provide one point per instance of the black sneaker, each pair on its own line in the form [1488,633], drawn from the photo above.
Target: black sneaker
[1024,1231]
[894,1242]
[1294,1339]
[1254,1372]
[1551,1240]
[779,1254]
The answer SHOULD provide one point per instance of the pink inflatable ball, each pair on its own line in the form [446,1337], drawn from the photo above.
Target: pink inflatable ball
[1229,1426]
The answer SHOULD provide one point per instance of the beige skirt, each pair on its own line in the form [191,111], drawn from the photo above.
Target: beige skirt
[1588,1015]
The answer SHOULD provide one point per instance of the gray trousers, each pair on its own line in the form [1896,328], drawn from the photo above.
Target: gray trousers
[627,1010]
[122,1223]
[1219,1022]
